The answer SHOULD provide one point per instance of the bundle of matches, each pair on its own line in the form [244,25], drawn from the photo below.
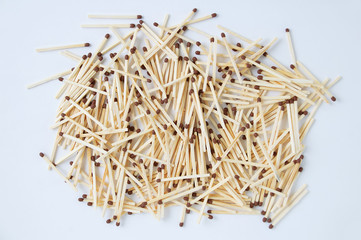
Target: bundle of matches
[152,126]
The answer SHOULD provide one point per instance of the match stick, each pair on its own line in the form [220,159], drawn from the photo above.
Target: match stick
[104,16]
[107,25]
[63,47]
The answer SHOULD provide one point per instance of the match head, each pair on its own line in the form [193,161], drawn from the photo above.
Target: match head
[198,43]
[212,39]
[333,98]
[41,154]
[223,35]
[181,224]
[287,30]
[132,25]
[86,44]
[139,16]
[107,36]
[194,10]
[67,98]
[214,15]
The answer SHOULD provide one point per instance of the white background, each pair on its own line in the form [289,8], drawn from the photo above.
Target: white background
[36,204]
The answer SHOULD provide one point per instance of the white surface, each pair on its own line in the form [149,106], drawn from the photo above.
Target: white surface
[36,204]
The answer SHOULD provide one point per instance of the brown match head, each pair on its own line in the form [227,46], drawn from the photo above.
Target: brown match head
[194,9]
[108,221]
[214,175]
[269,220]
[41,154]
[132,25]
[212,39]
[333,98]
[210,217]
[60,79]
[181,224]
[77,135]
[80,199]
[67,98]
[117,224]
[255,135]
[248,65]
[258,99]
[223,35]
[270,226]
[107,36]
[292,66]
[86,44]
[89,204]
[214,15]
[160,202]
[300,169]
[218,158]
[139,16]
[189,44]
[139,26]
[198,43]
[61,134]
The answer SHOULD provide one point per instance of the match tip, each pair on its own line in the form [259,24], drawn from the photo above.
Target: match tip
[41,154]
[139,16]
[194,10]
[223,35]
[181,224]
[107,36]
[214,15]
[155,24]
[270,226]
[67,98]
[61,134]
[132,25]
[287,29]
[212,39]
[333,98]
[86,44]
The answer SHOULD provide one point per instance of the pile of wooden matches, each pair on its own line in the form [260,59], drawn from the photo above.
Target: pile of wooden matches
[212,126]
